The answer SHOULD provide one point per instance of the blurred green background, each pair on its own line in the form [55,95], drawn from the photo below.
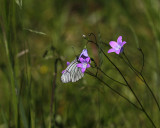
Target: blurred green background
[34,33]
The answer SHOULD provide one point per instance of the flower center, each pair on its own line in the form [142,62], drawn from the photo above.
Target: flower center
[117,47]
[84,65]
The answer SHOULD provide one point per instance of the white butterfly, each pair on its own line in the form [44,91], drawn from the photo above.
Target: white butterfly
[75,70]
[72,73]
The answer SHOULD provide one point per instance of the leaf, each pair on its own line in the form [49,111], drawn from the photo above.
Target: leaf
[4,119]
[23,115]
[34,31]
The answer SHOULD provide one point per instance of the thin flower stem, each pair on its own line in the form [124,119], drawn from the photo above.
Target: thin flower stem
[98,68]
[149,118]
[111,77]
[131,67]
[53,97]
[134,69]
[143,80]
[92,34]
[127,84]
[151,92]
[91,74]
[142,58]
[130,89]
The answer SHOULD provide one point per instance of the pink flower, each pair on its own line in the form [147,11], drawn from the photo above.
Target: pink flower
[117,47]
[84,64]
[84,60]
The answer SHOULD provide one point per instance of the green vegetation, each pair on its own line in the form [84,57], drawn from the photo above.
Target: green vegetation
[34,34]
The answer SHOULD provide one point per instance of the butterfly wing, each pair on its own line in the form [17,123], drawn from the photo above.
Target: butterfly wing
[72,73]
[76,73]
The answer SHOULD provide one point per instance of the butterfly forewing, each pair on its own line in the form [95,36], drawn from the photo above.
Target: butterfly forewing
[66,77]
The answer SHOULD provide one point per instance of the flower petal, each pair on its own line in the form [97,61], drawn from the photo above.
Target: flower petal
[63,71]
[124,42]
[111,50]
[118,51]
[84,52]
[83,70]
[119,40]
[113,44]
[68,63]
[81,59]
[80,65]
[88,65]
[87,59]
